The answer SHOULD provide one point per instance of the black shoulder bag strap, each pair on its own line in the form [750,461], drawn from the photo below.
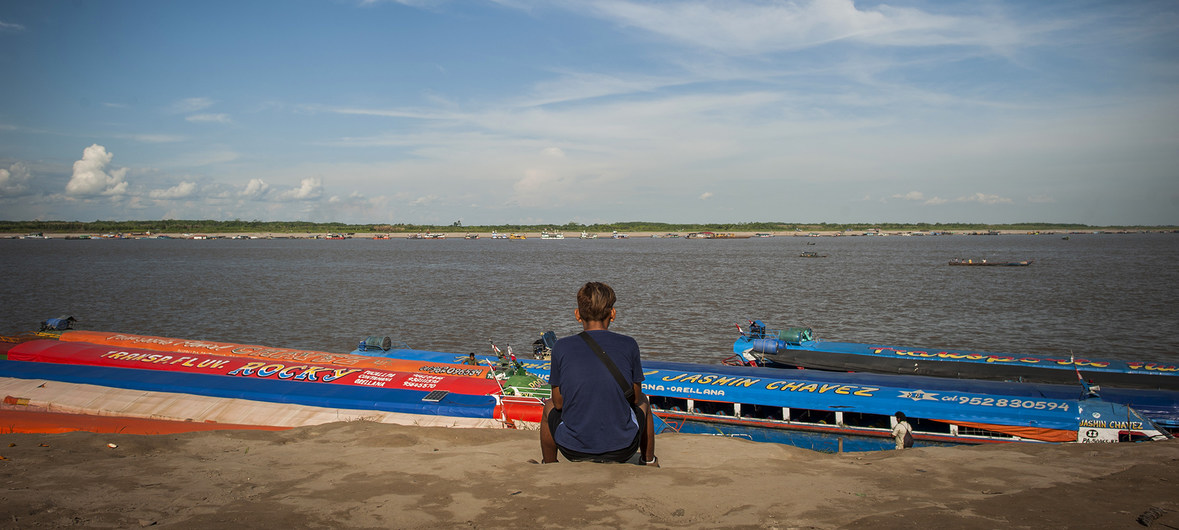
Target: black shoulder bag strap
[627,390]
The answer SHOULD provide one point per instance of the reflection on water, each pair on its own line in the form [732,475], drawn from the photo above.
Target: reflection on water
[1110,296]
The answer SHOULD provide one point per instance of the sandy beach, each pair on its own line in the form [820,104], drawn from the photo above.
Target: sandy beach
[369,475]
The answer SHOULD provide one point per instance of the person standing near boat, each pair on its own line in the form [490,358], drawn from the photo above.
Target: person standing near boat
[598,412]
[902,432]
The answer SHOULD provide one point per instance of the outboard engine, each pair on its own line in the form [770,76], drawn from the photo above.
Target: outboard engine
[58,324]
[374,343]
[542,348]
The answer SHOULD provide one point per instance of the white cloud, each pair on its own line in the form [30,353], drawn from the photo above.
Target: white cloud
[309,188]
[179,191]
[536,187]
[255,189]
[911,196]
[9,26]
[764,27]
[151,138]
[208,118]
[213,155]
[554,152]
[185,106]
[422,201]
[917,196]
[91,176]
[14,180]
[983,198]
[706,195]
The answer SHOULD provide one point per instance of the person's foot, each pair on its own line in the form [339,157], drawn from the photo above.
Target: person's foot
[651,462]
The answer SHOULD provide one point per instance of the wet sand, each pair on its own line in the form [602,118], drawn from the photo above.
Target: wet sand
[368,475]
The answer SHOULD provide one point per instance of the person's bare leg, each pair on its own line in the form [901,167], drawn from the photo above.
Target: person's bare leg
[548,446]
[647,444]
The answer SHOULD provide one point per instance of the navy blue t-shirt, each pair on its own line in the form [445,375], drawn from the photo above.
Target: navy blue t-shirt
[596,418]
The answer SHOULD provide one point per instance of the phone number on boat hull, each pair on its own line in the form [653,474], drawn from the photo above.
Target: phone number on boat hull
[1011,403]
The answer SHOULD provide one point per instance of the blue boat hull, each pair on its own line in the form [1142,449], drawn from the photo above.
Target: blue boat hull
[763,348]
[254,389]
[769,404]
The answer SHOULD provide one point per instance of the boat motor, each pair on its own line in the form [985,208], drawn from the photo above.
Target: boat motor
[375,343]
[58,324]
[542,348]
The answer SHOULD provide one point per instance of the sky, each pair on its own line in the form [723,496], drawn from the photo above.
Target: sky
[488,112]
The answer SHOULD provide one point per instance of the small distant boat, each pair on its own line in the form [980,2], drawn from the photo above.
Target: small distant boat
[812,255]
[585,235]
[497,235]
[471,236]
[551,235]
[619,235]
[985,263]
[763,234]
[517,236]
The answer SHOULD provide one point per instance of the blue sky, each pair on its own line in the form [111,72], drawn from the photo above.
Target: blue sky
[519,111]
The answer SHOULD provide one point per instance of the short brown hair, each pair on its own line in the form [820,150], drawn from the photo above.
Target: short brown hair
[594,301]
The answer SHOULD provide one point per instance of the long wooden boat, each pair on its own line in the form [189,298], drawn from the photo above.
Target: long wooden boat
[798,348]
[853,411]
[276,389]
[818,410]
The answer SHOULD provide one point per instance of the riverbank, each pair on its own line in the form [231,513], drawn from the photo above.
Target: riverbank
[546,236]
[364,474]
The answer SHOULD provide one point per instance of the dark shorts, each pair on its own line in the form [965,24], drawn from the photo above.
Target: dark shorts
[621,455]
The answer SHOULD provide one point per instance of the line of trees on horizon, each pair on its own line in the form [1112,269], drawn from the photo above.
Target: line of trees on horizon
[286,227]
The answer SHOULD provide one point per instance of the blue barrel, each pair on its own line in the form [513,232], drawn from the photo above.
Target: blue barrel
[770,346]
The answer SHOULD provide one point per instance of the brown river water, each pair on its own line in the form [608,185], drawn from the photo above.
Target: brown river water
[1094,295]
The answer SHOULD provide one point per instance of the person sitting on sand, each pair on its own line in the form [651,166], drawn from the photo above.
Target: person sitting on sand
[589,416]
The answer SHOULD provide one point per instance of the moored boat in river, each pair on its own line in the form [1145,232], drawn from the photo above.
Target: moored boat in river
[797,347]
[853,411]
[101,373]
[179,384]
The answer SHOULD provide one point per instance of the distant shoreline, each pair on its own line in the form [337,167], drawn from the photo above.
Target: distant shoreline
[458,234]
